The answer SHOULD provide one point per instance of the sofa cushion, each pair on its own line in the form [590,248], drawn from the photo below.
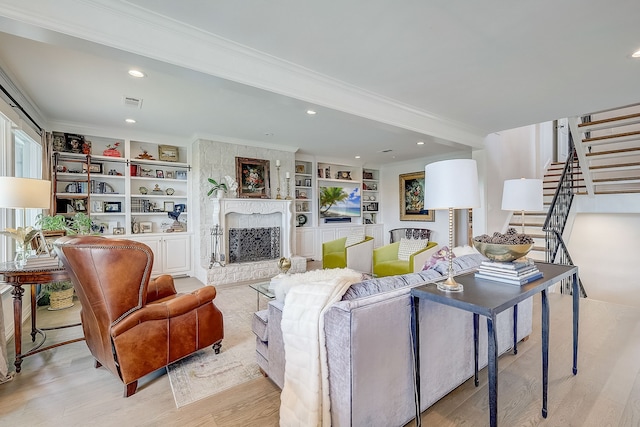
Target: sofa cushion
[259,324]
[384,284]
[410,246]
[461,264]
[441,255]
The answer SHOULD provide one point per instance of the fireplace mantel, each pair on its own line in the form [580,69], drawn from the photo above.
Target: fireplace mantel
[223,207]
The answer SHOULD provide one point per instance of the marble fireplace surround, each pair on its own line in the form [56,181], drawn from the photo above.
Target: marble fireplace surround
[238,213]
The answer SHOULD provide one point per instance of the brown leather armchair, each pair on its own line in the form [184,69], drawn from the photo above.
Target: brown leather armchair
[133,325]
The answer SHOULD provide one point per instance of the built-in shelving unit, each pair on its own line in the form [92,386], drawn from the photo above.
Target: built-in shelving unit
[304,195]
[128,188]
[370,196]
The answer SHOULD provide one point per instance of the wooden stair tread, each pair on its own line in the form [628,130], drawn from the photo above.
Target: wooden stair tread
[615,165]
[612,136]
[618,179]
[619,151]
[609,120]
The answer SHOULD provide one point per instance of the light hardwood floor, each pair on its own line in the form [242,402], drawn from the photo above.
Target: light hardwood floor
[60,387]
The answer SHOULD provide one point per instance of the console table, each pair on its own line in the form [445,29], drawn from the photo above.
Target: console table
[17,277]
[489,298]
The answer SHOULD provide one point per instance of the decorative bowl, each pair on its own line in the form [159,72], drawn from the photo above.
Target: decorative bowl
[501,252]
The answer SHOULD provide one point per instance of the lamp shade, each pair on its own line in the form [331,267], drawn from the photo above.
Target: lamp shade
[451,184]
[24,192]
[522,195]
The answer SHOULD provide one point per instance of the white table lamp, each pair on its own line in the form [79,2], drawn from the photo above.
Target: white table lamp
[522,195]
[451,184]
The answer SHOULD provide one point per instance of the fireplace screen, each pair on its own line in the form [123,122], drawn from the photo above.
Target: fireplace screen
[254,244]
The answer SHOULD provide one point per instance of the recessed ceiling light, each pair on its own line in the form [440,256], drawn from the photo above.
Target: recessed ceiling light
[136,73]
[130,120]
[357,157]
[636,54]
[311,112]
[420,142]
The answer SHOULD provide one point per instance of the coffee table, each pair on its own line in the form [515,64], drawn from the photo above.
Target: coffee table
[262,288]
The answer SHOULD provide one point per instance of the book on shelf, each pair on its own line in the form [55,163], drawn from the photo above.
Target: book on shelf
[510,280]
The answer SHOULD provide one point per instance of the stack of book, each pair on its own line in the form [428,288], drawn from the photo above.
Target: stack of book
[514,272]
[42,261]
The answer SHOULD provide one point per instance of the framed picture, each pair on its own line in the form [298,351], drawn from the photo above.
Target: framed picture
[159,174]
[168,153]
[97,206]
[79,205]
[145,226]
[169,206]
[169,175]
[300,169]
[412,198]
[181,174]
[253,177]
[118,230]
[113,206]
[92,168]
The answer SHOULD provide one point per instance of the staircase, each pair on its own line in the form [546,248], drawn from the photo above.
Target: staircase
[608,149]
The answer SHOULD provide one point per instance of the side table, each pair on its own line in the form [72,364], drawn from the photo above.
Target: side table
[489,298]
[18,277]
[262,288]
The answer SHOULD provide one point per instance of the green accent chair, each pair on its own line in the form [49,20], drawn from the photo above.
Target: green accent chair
[356,257]
[386,262]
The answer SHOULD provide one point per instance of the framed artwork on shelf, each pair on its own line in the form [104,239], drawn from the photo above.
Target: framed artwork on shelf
[146,226]
[169,206]
[300,169]
[92,168]
[412,198]
[79,205]
[159,173]
[168,153]
[169,175]
[181,174]
[253,177]
[113,206]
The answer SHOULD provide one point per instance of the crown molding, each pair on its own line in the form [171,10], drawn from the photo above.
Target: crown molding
[145,33]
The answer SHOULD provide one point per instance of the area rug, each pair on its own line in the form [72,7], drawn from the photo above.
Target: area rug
[205,373]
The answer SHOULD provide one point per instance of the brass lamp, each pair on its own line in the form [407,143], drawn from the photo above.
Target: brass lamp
[451,184]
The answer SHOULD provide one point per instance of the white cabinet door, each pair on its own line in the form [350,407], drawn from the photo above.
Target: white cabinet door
[176,254]
[154,243]
[305,242]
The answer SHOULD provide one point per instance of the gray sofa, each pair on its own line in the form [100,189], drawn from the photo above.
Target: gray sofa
[369,346]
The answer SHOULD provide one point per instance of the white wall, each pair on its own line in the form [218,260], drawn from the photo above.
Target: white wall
[605,248]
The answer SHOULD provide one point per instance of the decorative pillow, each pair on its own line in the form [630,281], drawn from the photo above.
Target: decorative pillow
[441,255]
[409,247]
[356,236]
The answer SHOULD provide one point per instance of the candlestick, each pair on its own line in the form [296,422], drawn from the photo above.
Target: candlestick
[288,187]
[287,175]
[278,196]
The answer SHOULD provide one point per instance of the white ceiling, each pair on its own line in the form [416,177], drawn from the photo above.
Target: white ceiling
[382,75]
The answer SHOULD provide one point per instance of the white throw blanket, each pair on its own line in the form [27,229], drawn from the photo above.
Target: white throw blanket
[305,395]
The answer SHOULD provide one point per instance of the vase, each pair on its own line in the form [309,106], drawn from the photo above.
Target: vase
[22,253]
[220,194]
[111,152]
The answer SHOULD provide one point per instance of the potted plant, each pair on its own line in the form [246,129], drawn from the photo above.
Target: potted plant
[219,188]
[80,224]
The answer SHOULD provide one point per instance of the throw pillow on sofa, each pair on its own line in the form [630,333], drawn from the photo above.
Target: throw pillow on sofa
[441,255]
[410,246]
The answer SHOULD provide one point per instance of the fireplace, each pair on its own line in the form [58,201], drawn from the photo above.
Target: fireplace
[254,229]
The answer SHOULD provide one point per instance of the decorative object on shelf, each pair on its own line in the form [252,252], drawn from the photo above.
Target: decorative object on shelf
[451,184]
[157,190]
[522,195]
[169,175]
[169,191]
[320,173]
[75,143]
[79,205]
[412,198]
[343,175]
[143,190]
[181,174]
[284,264]
[112,151]
[169,206]
[114,172]
[301,219]
[168,153]
[159,174]
[253,177]
[300,169]
[145,156]
[58,142]
[118,230]
[217,259]
[367,175]
[232,185]
[219,188]
[175,214]
[135,227]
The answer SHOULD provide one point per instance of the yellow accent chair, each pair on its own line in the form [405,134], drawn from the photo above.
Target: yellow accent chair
[335,254]
[387,263]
